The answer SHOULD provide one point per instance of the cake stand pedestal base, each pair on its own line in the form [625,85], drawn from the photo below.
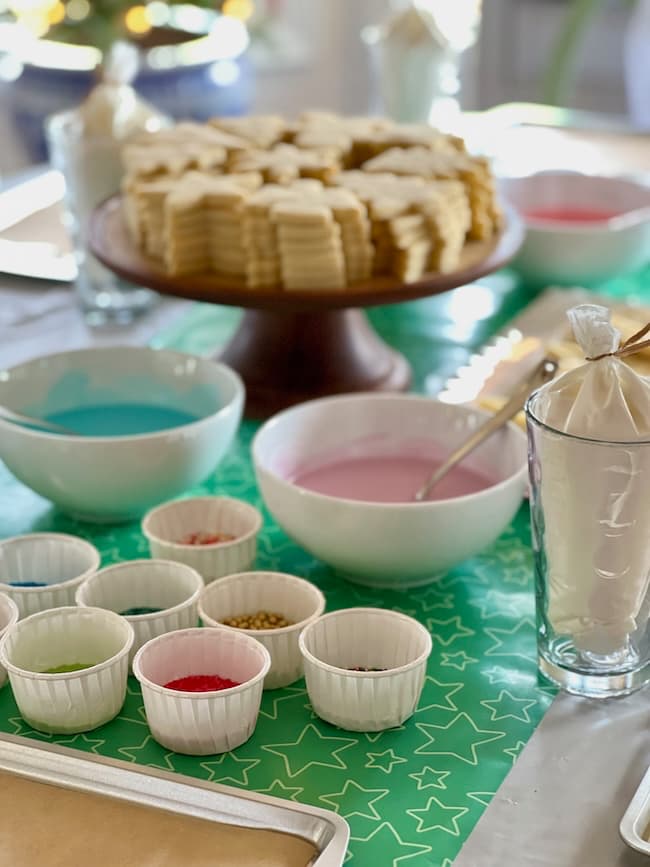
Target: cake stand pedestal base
[286,358]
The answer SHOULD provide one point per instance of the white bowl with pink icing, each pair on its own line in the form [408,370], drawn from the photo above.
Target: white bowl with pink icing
[339,475]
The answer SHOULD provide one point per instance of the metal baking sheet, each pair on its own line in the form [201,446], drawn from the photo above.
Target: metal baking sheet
[176,793]
[635,824]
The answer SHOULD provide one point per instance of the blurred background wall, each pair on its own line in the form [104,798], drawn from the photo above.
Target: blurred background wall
[312,55]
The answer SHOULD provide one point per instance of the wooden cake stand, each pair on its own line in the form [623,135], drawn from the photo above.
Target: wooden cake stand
[296,345]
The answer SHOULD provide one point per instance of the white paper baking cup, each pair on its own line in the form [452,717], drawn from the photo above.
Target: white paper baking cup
[172,587]
[61,561]
[202,723]
[77,701]
[166,525]
[8,616]
[368,638]
[249,592]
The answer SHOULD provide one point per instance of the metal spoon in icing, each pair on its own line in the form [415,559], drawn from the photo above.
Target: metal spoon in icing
[18,418]
[545,371]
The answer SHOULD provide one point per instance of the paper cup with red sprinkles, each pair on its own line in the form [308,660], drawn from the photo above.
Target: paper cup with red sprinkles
[8,616]
[365,667]
[155,596]
[260,604]
[187,679]
[43,570]
[215,535]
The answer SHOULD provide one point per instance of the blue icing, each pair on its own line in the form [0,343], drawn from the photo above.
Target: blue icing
[120,419]
[136,404]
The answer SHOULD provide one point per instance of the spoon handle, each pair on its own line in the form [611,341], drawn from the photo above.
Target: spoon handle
[27,421]
[541,374]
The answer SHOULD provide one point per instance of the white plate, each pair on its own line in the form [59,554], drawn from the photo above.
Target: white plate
[33,239]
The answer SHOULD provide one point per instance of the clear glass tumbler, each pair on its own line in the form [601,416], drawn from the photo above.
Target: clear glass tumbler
[590,505]
[92,170]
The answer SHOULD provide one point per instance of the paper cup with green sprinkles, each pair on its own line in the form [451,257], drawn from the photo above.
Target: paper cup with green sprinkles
[202,688]
[43,570]
[215,535]
[8,616]
[155,596]
[272,607]
[68,667]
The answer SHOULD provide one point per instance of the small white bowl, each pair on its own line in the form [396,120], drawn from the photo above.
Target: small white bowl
[117,478]
[365,701]
[60,561]
[76,701]
[580,252]
[202,723]
[174,588]
[387,544]
[249,592]
[8,616]
[166,525]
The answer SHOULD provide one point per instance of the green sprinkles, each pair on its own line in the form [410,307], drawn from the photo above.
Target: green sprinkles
[65,669]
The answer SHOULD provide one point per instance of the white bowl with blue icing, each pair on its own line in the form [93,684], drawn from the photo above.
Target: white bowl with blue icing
[149,424]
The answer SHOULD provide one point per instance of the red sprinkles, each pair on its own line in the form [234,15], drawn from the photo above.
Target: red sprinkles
[201,683]
[204,538]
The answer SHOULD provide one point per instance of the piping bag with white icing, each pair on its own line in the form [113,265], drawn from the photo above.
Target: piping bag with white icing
[595,491]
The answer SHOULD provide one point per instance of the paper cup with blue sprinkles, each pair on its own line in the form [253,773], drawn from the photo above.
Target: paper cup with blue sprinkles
[43,570]
[155,596]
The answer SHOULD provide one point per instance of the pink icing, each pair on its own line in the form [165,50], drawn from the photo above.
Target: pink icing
[387,478]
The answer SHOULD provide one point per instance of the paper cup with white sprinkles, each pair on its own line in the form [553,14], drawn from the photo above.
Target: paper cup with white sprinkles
[43,570]
[202,688]
[272,607]
[68,667]
[215,535]
[155,596]
[365,667]
[8,616]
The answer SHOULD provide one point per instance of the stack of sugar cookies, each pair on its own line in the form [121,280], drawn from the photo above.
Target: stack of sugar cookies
[309,242]
[323,202]
[284,163]
[203,224]
[473,172]
[417,225]
[303,233]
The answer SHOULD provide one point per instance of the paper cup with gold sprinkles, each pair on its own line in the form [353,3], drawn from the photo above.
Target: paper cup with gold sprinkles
[215,535]
[43,570]
[202,688]
[68,667]
[155,596]
[270,606]
[8,616]
[365,667]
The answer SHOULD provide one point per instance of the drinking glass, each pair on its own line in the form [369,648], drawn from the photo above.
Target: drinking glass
[590,511]
[92,170]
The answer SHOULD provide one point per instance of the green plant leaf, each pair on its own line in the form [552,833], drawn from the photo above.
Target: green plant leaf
[557,80]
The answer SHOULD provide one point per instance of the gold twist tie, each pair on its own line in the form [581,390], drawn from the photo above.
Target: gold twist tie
[632,345]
